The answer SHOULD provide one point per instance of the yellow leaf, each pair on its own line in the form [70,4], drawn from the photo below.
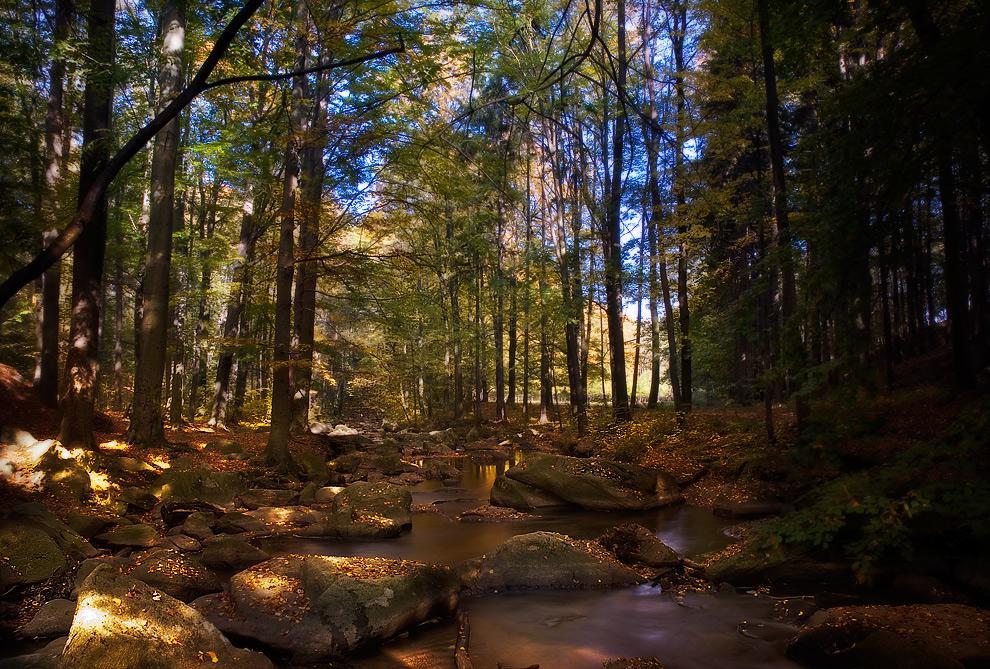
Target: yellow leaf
[213,657]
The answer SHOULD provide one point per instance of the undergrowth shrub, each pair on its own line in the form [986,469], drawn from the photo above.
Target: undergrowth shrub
[935,491]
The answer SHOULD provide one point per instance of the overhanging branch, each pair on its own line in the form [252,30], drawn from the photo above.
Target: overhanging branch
[84,214]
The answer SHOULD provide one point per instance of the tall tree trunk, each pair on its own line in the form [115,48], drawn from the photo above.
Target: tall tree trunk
[791,344]
[954,270]
[527,267]
[677,36]
[82,362]
[46,375]
[612,237]
[311,192]
[453,281]
[498,322]
[478,383]
[276,452]
[221,416]
[639,311]
[546,391]
[118,328]
[146,427]
[513,337]
[207,225]
[177,333]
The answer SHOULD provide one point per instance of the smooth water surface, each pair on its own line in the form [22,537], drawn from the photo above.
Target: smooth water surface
[567,628]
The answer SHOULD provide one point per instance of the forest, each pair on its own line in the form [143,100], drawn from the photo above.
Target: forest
[610,224]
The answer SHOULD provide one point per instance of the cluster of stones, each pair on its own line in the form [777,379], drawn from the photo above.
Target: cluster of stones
[144,598]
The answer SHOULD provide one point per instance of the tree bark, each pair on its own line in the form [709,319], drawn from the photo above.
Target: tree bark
[276,452]
[46,375]
[612,240]
[82,362]
[146,426]
[221,416]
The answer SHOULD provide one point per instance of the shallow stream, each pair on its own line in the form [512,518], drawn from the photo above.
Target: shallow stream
[568,629]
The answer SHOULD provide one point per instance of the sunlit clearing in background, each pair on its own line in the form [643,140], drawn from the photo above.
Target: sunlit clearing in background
[114,446]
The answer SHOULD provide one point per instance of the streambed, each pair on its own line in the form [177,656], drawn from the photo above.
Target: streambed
[567,628]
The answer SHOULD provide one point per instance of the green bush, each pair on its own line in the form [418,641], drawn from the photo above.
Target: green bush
[934,491]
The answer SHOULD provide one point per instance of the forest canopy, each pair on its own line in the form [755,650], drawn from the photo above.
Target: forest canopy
[456,210]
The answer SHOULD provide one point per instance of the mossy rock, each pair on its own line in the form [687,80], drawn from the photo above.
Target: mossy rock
[220,488]
[548,560]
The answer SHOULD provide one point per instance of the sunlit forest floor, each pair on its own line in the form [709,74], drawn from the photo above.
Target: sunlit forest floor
[719,454]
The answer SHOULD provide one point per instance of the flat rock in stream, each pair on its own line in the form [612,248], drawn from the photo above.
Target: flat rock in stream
[318,607]
[546,560]
[596,484]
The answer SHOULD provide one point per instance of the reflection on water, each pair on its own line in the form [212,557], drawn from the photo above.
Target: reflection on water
[571,628]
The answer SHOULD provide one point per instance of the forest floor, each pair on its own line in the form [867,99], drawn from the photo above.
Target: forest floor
[716,453]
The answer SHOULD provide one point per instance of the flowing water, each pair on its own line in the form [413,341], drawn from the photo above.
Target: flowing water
[568,628]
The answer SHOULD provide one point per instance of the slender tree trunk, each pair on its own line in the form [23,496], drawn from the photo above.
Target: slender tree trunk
[82,362]
[221,416]
[513,338]
[478,383]
[276,452]
[455,320]
[639,311]
[791,346]
[546,390]
[612,237]
[311,191]
[527,250]
[677,36]
[207,225]
[954,271]
[118,328]
[177,332]
[46,375]
[146,426]
[498,322]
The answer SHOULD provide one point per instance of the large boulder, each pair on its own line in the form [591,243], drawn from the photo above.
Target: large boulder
[138,535]
[546,560]
[53,619]
[178,575]
[226,552]
[35,545]
[138,497]
[318,607]
[344,525]
[517,495]
[123,622]
[220,488]
[597,484]
[383,500]
[918,635]
[65,478]
[314,466]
